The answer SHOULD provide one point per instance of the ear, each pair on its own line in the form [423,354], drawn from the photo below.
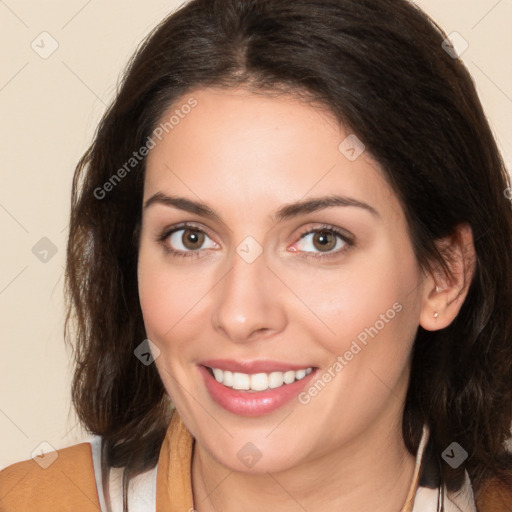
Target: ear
[444,294]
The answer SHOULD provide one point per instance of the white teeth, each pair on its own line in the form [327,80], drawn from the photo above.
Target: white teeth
[258,381]
[300,374]
[218,374]
[275,379]
[289,377]
[241,381]
[227,378]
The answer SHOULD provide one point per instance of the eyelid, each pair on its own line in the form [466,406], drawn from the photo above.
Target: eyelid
[338,232]
[346,237]
[167,231]
[170,230]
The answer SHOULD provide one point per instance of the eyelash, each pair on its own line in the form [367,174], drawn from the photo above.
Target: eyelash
[316,255]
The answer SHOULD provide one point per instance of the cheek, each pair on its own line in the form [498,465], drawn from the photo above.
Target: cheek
[155,294]
[373,297]
[170,293]
[155,302]
[372,313]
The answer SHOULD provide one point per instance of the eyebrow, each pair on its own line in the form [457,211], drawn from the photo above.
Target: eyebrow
[285,212]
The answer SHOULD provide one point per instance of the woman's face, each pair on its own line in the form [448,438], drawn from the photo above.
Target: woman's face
[296,256]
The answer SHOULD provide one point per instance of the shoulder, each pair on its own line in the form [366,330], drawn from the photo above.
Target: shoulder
[494,496]
[62,480]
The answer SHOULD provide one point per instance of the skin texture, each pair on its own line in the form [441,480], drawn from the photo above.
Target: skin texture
[247,155]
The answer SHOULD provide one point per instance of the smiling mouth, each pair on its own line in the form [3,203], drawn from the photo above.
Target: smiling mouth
[257,381]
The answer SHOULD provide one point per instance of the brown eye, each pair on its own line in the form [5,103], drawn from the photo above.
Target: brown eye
[187,239]
[191,239]
[324,240]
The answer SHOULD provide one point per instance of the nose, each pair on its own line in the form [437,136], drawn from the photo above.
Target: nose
[249,302]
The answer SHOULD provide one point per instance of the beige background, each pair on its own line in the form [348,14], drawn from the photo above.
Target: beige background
[49,111]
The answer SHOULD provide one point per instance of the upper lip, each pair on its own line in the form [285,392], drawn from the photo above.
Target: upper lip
[250,367]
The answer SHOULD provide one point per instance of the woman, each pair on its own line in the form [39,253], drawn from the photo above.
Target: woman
[288,265]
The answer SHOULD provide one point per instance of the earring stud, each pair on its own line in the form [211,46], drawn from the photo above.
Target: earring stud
[437,289]
[435,315]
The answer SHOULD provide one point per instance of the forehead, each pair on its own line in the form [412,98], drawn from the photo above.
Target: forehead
[249,152]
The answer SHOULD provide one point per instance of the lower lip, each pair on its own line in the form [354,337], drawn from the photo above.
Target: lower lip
[252,403]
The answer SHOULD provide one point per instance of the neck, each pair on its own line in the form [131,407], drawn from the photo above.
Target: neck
[373,472]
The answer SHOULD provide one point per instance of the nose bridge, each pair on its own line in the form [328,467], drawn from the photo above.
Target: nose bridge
[246,301]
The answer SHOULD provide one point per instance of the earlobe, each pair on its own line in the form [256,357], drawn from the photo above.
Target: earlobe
[434,312]
[445,291]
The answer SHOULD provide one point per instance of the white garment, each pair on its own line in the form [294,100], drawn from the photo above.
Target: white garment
[428,499]
[142,489]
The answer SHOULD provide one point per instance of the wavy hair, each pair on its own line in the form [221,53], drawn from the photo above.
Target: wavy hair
[380,68]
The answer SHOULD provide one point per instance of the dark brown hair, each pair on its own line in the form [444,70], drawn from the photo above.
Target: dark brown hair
[380,67]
